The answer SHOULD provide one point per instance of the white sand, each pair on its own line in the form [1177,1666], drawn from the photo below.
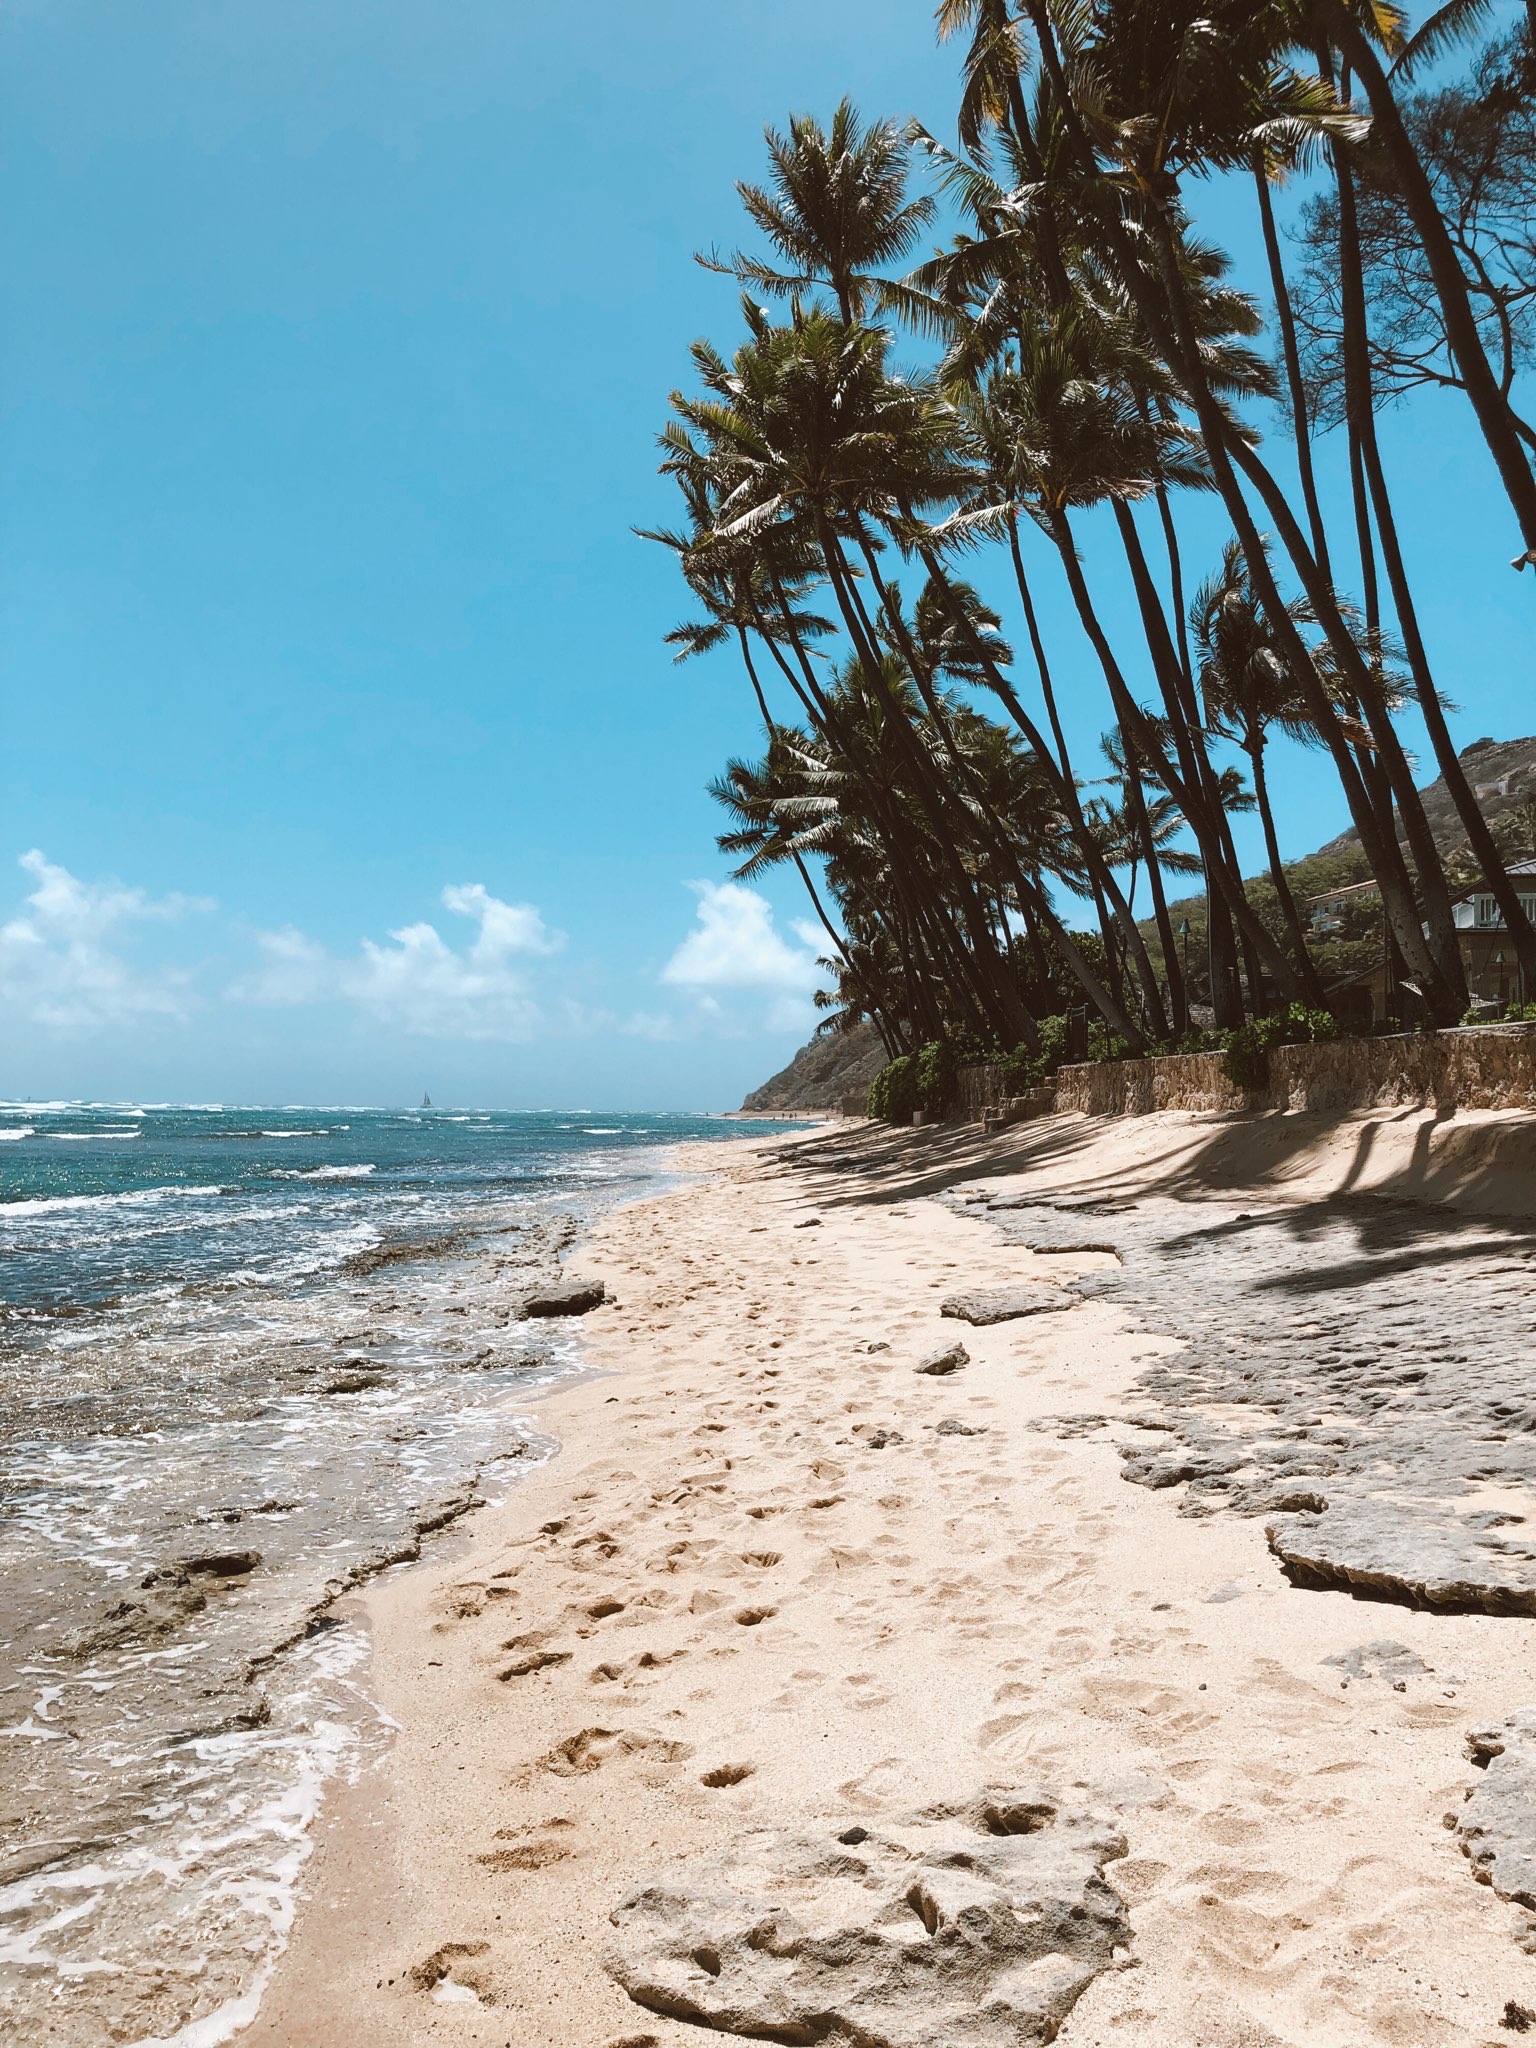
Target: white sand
[716,1578]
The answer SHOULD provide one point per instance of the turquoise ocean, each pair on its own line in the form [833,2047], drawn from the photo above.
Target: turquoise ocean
[248,1357]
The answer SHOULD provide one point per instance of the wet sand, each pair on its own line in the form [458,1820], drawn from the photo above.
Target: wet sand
[778,1578]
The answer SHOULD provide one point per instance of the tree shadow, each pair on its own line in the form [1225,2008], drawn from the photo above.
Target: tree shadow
[1399,1226]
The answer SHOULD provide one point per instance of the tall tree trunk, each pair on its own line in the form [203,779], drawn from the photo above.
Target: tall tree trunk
[1198,793]
[960,966]
[1166,316]
[1066,791]
[1068,795]
[1291,356]
[999,998]
[1489,402]
[1253,747]
[1373,477]
[768,727]
[1359,402]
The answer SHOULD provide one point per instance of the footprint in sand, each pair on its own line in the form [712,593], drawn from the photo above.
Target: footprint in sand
[590,1749]
[728,1774]
[532,1657]
[529,1848]
[451,1968]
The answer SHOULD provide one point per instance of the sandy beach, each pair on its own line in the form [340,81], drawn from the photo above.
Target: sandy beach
[781,1587]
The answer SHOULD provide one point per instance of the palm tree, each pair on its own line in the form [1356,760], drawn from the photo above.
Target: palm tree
[1360,36]
[837,210]
[1095,354]
[1250,693]
[1160,88]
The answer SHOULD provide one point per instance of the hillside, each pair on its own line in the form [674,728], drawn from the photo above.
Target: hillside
[823,1074]
[1503,778]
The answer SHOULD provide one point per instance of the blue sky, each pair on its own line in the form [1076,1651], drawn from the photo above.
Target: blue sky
[333,343]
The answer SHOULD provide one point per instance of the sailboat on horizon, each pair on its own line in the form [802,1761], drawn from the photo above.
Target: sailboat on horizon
[426,1101]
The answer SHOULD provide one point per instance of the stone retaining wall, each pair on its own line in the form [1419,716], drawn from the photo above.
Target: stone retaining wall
[980,1088]
[1493,1067]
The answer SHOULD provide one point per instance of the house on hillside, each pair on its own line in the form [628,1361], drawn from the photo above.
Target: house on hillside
[1325,909]
[1493,973]
[1380,995]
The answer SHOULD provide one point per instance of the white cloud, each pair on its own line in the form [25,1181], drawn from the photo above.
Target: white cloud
[736,948]
[417,981]
[60,963]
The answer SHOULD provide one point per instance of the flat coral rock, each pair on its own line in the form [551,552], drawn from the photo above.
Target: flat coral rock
[974,1927]
[980,1307]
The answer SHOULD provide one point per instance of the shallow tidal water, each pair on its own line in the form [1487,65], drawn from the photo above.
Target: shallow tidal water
[247,1358]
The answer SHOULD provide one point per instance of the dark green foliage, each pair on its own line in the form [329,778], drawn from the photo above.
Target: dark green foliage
[1245,1062]
[1103,1044]
[933,1070]
[893,1092]
[1245,1058]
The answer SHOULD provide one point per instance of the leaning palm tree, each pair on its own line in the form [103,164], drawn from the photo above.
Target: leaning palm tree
[1249,693]
[1149,92]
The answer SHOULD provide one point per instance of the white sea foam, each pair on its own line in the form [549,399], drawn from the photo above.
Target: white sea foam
[322,1172]
[21,1131]
[80,1137]
[130,1198]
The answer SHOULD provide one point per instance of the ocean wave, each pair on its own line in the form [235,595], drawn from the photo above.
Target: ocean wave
[131,1198]
[80,1137]
[21,1131]
[321,1172]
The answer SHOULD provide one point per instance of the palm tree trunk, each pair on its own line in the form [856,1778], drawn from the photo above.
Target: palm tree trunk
[1063,785]
[1196,790]
[1489,402]
[1020,1025]
[1373,475]
[1253,747]
[1066,791]
[1360,417]
[961,968]
[1166,315]
[1141,825]
[920,674]
[1291,355]
[768,727]
[999,999]
[1069,794]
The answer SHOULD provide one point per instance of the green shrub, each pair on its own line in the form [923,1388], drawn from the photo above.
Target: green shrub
[1308,1027]
[1022,1069]
[933,1077]
[893,1092]
[1245,1057]
[1025,1069]
[1102,1042]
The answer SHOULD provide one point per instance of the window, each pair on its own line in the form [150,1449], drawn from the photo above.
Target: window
[1487,912]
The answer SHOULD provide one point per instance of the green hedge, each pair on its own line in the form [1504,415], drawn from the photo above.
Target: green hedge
[1245,1056]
